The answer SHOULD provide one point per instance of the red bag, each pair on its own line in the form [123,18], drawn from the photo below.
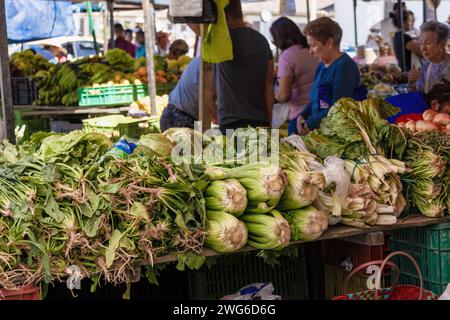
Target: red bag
[395,292]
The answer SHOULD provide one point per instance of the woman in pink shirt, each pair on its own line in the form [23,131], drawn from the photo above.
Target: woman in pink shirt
[296,68]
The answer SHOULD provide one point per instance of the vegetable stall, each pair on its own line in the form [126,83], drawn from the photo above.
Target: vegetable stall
[77,199]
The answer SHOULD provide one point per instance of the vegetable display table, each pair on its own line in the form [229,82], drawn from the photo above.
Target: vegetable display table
[335,232]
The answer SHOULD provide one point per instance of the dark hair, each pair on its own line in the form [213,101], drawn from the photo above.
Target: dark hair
[440,92]
[178,48]
[440,29]
[396,6]
[234,9]
[140,33]
[118,27]
[323,29]
[395,17]
[286,33]
[128,31]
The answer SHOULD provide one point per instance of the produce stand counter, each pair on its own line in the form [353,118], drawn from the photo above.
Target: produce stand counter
[334,232]
[56,111]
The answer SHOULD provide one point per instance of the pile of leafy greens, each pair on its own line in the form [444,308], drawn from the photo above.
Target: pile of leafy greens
[62,203]
[355,129]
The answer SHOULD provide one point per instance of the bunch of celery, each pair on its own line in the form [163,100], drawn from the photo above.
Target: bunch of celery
[304,178]
[427,180]
[381,175]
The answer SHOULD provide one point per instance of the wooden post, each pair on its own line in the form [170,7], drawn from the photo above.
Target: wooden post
[149,26]
[207,89]
[5,79]
[111,24]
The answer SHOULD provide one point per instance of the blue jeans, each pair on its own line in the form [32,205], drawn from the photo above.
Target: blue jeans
[174,118]
[292,128]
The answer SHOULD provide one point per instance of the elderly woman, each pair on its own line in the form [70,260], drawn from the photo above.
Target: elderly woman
[296,68]
[436,67]
[337,75]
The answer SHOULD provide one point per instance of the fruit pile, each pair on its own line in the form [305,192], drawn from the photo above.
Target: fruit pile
[166,70]
[375,74]
[58,84]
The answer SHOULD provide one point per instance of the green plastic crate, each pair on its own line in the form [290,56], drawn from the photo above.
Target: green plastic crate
[430,246]
[116,126]
[233,272]
[106,96]
[32,125]
[154,124]
[161,89]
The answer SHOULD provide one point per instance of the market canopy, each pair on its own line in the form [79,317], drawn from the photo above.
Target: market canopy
[29,20]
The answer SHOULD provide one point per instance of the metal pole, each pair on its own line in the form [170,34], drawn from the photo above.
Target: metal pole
[355,22]
[402,35]
[308,11]
[5,79]
[111,24]
[91,25]
[149,27]
[425,11]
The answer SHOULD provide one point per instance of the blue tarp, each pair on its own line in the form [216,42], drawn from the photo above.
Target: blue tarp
[29,20]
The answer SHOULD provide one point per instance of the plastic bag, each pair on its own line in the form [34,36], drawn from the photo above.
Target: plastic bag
[446,294]
[297,142]
[280,114]
[121,149]
[183,8]
[254,291]
[335,172]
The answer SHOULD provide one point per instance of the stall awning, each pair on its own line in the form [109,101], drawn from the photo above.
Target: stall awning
[38,19]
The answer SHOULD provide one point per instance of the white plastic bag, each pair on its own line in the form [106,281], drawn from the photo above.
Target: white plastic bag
[280,114]
[335,172]
[297,142]
[183,8]
[446,294]
[254,291]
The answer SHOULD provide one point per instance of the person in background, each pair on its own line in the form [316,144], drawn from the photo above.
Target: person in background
[121,43]
[162,43]
[59,54]
[128,35]
[178,48]
[410,46]
[414,32]
[359,58]
[140,40]
[244,86]
[438,99]
[296,68]
[337,75]
[436,67]
[182,110]
[386,55]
